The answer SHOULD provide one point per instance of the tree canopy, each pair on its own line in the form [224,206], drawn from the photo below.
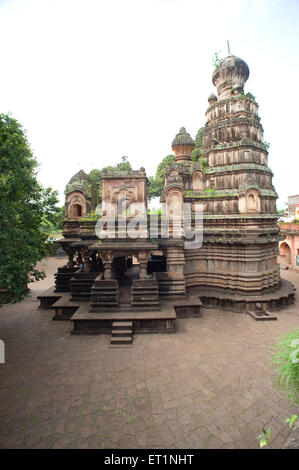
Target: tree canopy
[96,175]
[24,207]
[196,153]
[156,184]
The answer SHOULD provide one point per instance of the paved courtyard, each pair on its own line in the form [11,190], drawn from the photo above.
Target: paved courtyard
[207,386]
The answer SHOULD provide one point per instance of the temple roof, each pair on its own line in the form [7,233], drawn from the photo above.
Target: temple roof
[233,62]
[79,182]
[212,98]
[231,69]
[182,138]
[81,175]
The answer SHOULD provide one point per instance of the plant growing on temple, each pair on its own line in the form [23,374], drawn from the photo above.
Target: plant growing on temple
[286,365]
[96,175]
[216,59]
[24,204]
[250,96]
[267,145]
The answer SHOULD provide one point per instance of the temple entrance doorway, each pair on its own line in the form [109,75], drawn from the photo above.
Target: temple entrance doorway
[76,210]
[125,270]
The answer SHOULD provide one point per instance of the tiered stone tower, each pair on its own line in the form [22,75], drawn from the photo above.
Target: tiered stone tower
[238,260]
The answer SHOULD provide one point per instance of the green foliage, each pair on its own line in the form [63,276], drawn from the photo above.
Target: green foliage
[286,364]
[96,178]
[156,184]
[216,59]
[155,211]
[53,216]
[96,175]
[250,96]
[264,437]
[197,151]
[154,187]
[23,208]
[291,420]
[267,145]
[210,191]
[203,162]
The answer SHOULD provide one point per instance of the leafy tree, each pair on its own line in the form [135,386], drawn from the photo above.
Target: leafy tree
[51,213]
[197,151]
[124,165]
[53,223]
[96,178]
[24,204]
[156,184]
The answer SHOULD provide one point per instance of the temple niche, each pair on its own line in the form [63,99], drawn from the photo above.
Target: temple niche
[197,181]
[151,278]
[80,199]
[124,193]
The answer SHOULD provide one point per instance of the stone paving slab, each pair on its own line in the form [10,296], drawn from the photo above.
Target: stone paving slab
[207,386]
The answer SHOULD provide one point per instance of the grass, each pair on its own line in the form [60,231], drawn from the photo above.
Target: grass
[286,364]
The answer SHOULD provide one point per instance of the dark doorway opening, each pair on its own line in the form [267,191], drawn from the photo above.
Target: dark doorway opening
[125,271]
[77,210]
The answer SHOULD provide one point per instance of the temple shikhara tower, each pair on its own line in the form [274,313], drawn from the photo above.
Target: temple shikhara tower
[118,283]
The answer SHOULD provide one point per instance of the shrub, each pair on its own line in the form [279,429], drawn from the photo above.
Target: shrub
[286,363]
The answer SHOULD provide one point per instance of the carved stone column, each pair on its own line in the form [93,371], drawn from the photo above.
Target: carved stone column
[86,261]
[70,252]
[107,258]
[71,262]
[142,259]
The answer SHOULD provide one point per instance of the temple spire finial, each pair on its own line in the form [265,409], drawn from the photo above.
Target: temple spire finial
[228,48]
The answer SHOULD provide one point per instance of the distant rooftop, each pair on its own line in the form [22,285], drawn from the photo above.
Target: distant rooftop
[119,174]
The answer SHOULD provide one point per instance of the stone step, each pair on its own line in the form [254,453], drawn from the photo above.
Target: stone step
[121,333]
[121,340]
[122,325]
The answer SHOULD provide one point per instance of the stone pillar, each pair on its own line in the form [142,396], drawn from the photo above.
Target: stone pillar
[107,259]
[142,259]
[70,253]
[70,263]
[108,269]
[86,261]
[175,261]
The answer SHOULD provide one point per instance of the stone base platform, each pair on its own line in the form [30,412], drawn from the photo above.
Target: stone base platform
[276,300]
[188,307]
[262,316]
[144,321]
[49,297]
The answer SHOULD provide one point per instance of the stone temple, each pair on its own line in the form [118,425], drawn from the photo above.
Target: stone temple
[119,283]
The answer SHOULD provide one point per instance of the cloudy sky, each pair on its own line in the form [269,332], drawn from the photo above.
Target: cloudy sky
[94,80]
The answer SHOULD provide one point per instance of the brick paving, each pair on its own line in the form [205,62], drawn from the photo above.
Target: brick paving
[207,386]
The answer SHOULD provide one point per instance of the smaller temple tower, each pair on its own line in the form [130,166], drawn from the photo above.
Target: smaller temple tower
[80,197]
